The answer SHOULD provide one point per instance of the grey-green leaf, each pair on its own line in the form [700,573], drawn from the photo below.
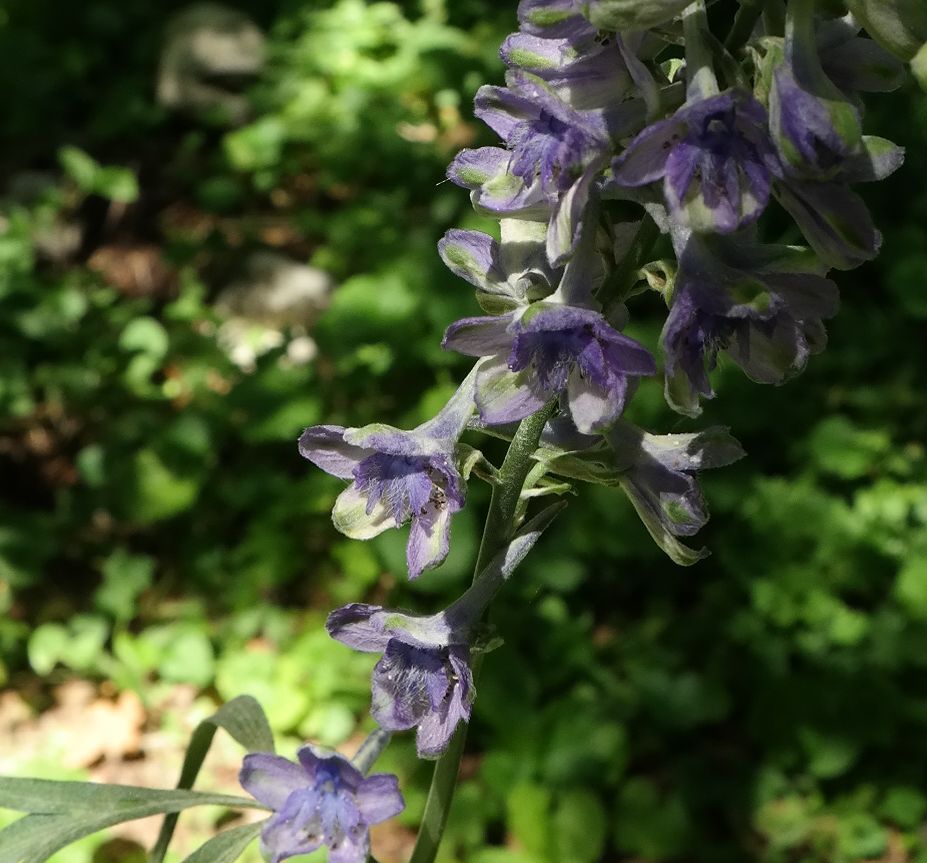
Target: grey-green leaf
[227,846]
[244,719]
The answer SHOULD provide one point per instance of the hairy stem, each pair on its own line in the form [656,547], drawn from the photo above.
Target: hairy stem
[500,523]
[371,749]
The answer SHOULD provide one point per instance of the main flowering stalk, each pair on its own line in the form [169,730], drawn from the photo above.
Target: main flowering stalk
[499,526]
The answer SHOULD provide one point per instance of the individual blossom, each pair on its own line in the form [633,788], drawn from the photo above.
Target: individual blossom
[543,350]
[659,473]
[322,799]
[495,189]
[761,304]
[423,679]
[397,477]
[814,125]
[660,480]
[713,157]
[832,217]
[586,73]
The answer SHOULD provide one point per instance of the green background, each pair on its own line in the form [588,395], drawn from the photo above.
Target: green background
[159,532]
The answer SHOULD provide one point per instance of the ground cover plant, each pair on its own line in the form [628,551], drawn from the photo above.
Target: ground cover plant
[160,531]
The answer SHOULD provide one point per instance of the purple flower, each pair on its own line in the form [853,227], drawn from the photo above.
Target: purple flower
[322,800]
[763,305]
[814,126]
[714,157]
[660,480]
[397,477]
[495,189]
[548,139]
[423,680]
[545,349]
[833,218]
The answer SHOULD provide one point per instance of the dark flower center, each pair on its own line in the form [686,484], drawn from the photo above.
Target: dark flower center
[417,680]
[552,355]
[407,485]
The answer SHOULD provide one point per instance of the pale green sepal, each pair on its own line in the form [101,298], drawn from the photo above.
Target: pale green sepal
[350,517]
[679,394]
[596,464]
[919,66]
[472,461]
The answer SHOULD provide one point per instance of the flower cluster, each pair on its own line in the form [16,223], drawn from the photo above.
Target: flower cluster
[610,144]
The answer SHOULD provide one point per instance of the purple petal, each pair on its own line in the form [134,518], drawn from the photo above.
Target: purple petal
[472,256]
[834,220]
[382,438]
[285,834]
[503,110]
[326,448]
[537,55]
[554,19]
[271,779]
[438,726]
[317,760]
[472,168]
[378,798]
[644,160]
[479,337]
[360,626]
[429,540]
[503,396]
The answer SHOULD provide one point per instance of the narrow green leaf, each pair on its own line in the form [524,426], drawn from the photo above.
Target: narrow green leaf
[50,797]
[244,719]
[36,837]
[227,846]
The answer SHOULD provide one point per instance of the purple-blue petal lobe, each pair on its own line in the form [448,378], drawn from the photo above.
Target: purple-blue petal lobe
[327,449]
[715,158]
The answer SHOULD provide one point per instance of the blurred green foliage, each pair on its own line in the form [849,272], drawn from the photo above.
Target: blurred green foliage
[158,527]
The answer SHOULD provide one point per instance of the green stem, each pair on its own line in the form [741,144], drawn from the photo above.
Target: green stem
[371,749]
[701,81]
[745,20]
[500,523]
